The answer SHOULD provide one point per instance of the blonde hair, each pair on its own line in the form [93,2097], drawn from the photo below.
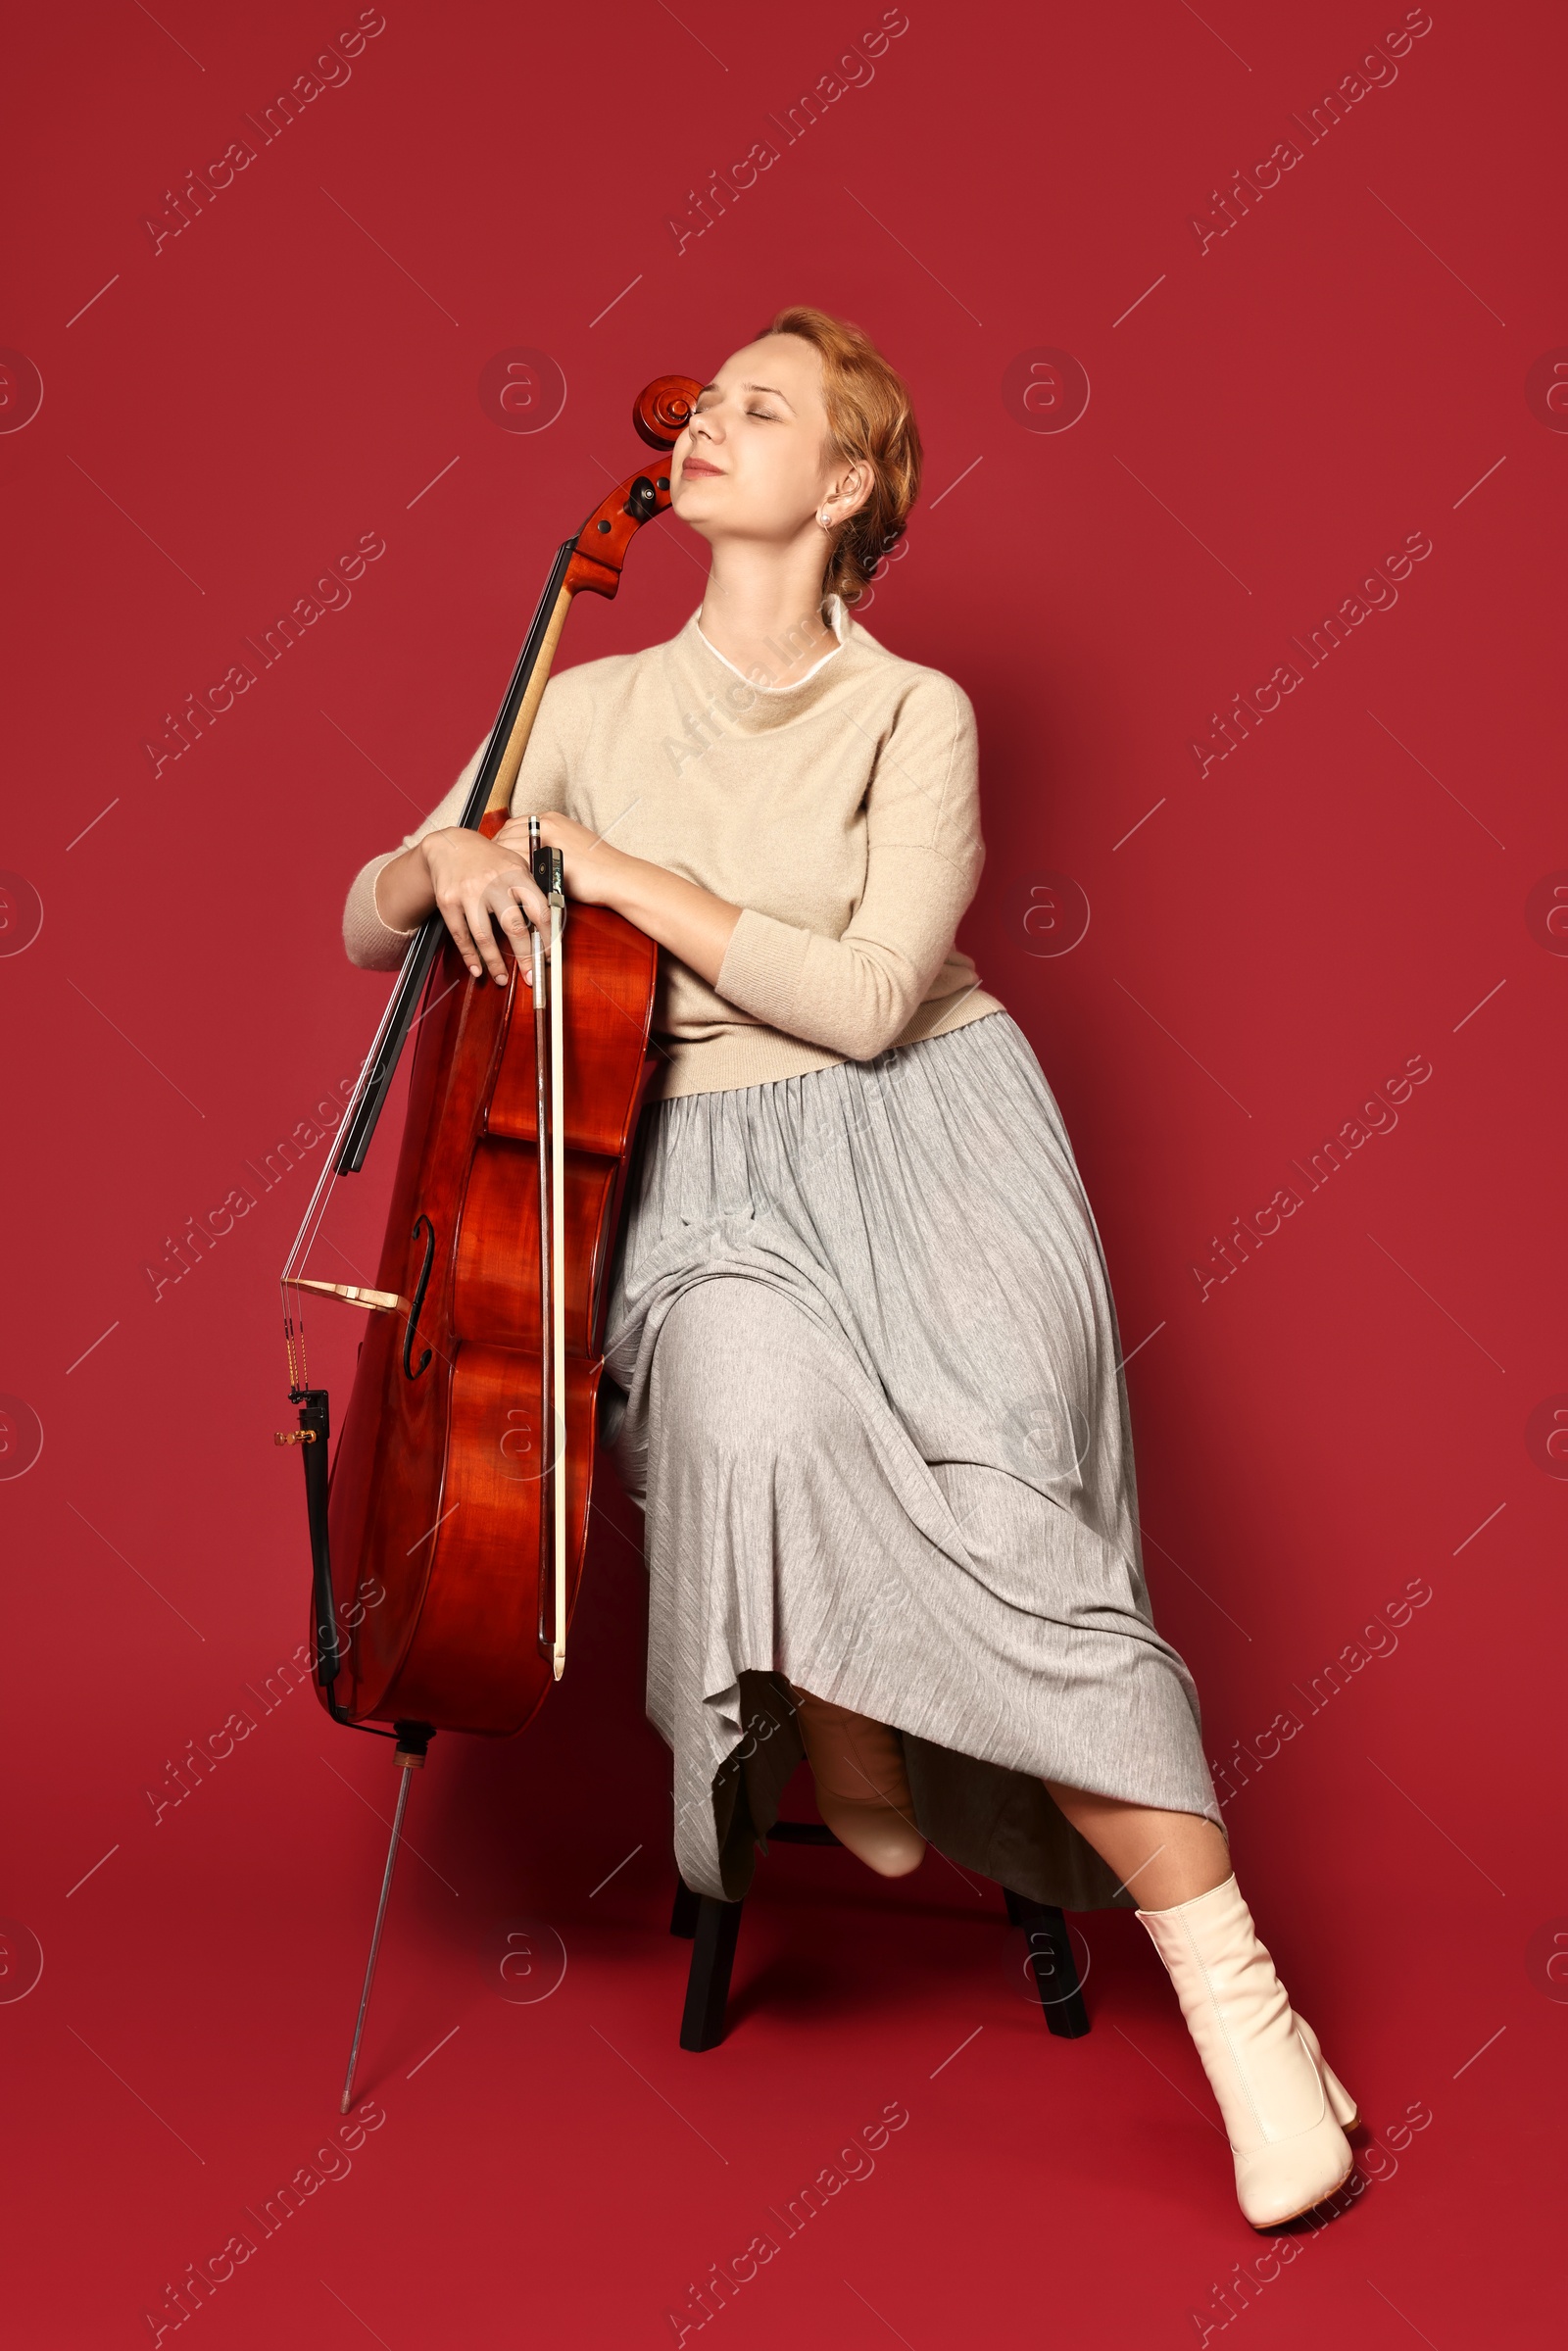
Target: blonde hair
[871,421]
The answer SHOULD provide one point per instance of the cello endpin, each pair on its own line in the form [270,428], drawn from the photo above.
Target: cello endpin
[409,1754]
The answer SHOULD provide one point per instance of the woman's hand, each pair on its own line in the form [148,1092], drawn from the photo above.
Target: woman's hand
[594,871]
[690,922]
[481,886]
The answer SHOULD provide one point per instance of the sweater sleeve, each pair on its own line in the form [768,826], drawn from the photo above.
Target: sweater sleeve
[542,783]
[853,994]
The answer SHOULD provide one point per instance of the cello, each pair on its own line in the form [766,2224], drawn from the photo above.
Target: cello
[447,1537]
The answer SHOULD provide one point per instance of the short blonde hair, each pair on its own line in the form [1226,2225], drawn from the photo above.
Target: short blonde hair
[871,421]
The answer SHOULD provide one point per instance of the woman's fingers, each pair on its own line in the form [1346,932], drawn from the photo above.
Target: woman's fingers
[509,902]
[492,913]
[484,907]
[449,904]
[525,892]
[479,906]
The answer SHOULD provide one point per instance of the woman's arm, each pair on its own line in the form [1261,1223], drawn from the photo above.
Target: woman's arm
[690,921]
[481,890]
[856,994]
[482,887]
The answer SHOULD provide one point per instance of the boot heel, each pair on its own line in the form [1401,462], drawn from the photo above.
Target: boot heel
[1341,2105]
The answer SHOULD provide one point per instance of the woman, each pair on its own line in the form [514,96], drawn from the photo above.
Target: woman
[862,1370]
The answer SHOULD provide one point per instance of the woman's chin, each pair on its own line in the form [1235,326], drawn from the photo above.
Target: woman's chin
[700,523]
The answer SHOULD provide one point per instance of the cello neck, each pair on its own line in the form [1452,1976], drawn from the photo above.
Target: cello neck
[516,742]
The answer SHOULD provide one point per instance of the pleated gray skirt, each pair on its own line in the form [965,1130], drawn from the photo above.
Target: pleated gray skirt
[862,1375]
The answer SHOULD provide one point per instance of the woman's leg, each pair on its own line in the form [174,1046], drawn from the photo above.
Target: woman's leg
[862,1790]
[1162,1857]
[1286,2114]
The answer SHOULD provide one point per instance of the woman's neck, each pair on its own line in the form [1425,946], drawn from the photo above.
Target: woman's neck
[768,621]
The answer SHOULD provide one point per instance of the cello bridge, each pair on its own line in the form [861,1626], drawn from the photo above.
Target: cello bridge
[353,1294]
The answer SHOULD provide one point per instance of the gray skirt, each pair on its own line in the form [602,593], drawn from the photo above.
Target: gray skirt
[862,1375]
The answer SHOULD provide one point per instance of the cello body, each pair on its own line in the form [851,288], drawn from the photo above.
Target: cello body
[438,1490]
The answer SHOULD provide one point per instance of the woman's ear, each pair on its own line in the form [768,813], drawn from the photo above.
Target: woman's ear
[858,490]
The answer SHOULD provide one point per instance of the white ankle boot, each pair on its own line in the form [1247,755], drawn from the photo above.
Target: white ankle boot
[1285,2112]
[862,1790]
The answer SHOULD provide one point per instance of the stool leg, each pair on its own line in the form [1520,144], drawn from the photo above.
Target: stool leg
[683,1917]
[702,2026]
[1054,1967]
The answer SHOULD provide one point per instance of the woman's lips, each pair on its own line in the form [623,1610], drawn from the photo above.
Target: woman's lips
[696,465]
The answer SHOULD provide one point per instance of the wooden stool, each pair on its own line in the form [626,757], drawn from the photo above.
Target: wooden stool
[711,1928]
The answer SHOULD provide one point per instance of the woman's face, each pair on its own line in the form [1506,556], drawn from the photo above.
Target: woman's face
[753,461]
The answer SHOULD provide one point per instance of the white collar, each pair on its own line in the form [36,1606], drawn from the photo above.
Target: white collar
[838,621]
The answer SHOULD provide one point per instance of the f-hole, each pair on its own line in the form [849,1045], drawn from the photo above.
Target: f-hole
[411,1369]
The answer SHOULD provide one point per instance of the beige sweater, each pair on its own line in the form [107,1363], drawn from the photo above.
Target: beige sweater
[840,813]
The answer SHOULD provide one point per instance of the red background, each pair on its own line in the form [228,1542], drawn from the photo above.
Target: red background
[1354,1409]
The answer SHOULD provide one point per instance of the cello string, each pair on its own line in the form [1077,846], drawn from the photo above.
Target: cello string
[316,1208]
[326,1180]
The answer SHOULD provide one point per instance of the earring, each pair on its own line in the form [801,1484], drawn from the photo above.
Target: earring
[821,515]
